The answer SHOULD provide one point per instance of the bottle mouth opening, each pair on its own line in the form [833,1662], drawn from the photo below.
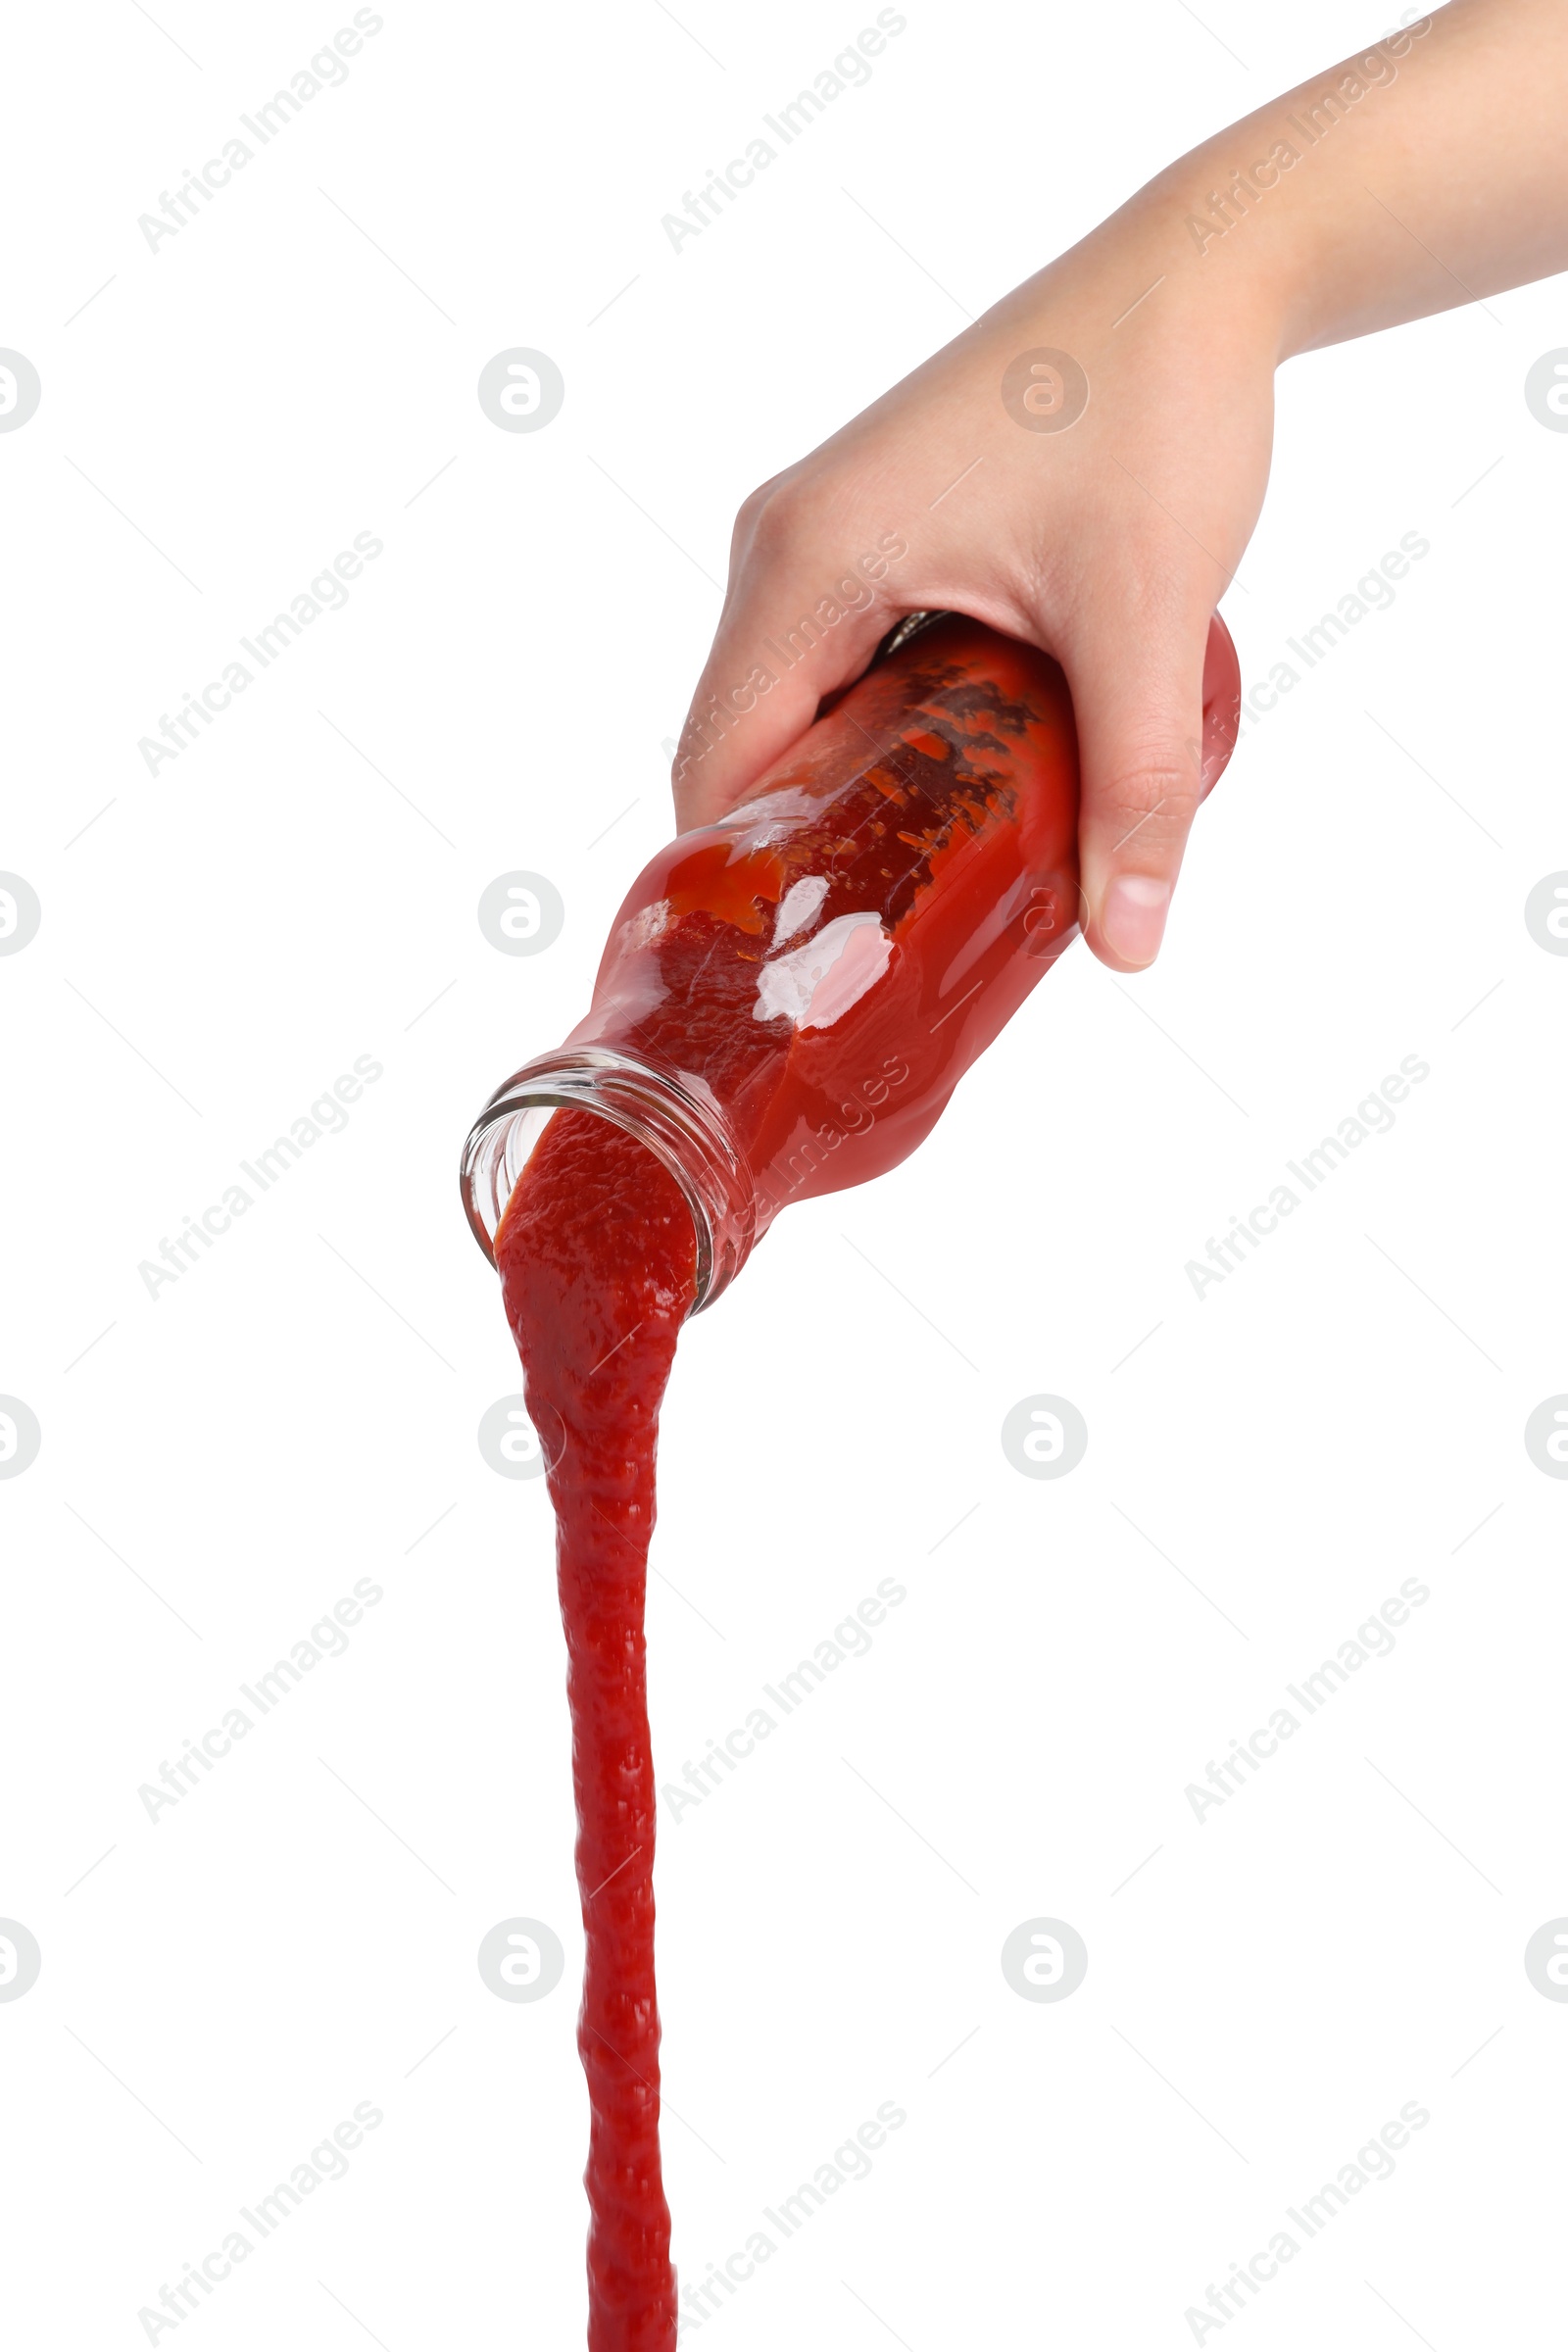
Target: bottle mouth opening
[650,1104]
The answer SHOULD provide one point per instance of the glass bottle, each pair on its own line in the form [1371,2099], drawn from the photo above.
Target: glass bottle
[788,998]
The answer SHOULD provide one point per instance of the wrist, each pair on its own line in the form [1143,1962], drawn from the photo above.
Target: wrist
[1237,243]
[1286,203]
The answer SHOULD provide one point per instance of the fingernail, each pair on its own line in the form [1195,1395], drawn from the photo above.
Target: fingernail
[1132,919]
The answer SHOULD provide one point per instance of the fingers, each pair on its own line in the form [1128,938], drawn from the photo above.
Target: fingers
[799,623]
[1135,674]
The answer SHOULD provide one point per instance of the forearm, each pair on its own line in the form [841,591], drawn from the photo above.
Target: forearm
[1422,173]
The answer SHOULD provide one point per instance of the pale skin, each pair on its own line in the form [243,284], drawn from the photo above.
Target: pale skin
[1109,544]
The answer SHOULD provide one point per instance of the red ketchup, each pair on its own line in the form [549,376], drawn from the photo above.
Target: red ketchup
[786,1002]
[598,1265]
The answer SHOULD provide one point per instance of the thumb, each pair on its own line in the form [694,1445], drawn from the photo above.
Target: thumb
[1137,689]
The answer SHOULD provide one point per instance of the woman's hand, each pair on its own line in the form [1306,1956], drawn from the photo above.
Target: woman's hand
[1106,537]
[1084,466]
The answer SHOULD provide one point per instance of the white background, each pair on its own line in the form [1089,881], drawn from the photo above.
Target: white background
[299,1407]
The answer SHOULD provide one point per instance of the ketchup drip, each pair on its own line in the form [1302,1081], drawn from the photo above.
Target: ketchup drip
[597,1254]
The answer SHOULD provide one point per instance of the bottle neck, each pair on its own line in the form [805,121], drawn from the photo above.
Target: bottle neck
[684,1129]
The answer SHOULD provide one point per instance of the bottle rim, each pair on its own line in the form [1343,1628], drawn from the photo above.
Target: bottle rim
[661,1110]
